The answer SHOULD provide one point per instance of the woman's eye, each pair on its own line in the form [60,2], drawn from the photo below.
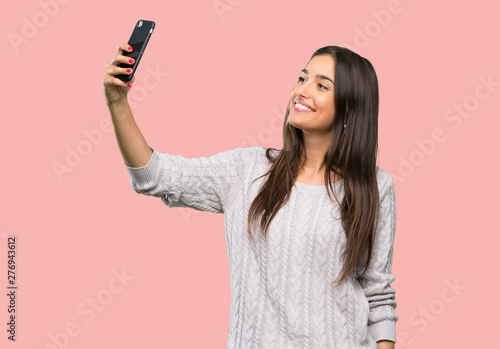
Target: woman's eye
[301,79]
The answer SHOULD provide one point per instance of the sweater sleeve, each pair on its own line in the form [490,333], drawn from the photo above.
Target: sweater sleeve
[377,279]
[203,184]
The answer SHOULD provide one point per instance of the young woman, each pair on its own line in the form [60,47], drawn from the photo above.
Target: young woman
[309,228]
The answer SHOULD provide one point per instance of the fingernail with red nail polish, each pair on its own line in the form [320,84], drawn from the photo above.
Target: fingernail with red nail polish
[129,48]
[131,60]
[129,84]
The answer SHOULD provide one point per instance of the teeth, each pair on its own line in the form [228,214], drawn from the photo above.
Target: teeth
[303,107]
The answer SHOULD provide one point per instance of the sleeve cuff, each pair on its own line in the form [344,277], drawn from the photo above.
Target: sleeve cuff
[144,174]
[383,330]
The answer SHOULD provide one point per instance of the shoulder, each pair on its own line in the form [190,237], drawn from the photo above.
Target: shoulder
[253,152]
[384,179]
[241,158]
[261,151]
[244,154]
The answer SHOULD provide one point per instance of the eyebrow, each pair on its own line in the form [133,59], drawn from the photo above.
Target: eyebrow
[324,77]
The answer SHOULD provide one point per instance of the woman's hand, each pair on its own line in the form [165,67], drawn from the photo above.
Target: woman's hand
[115,90]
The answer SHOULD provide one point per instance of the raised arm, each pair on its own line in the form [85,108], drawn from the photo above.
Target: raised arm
[134,149]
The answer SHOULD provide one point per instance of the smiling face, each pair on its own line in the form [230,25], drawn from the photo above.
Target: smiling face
[314,89]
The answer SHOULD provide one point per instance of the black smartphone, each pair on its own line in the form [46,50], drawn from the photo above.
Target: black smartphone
[138,40]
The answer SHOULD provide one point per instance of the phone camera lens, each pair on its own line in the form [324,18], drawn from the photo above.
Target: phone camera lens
[139,24]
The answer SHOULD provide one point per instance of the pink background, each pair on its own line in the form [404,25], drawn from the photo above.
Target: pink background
[224,82]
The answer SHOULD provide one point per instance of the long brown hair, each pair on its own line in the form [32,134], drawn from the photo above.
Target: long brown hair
[352,156]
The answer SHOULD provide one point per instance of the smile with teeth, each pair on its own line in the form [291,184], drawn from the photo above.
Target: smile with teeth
[302,107]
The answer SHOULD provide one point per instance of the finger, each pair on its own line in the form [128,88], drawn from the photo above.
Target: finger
[113,69]
[124,47]
[111,80]
[122,59]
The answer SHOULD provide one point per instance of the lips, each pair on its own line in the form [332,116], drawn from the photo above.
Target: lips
[304,104]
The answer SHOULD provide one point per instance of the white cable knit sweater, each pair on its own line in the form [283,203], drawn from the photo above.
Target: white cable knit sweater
[280,291]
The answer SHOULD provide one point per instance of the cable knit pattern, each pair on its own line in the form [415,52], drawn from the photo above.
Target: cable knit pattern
[281,296]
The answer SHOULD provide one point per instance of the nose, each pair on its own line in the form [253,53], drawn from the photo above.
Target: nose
[301,91]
